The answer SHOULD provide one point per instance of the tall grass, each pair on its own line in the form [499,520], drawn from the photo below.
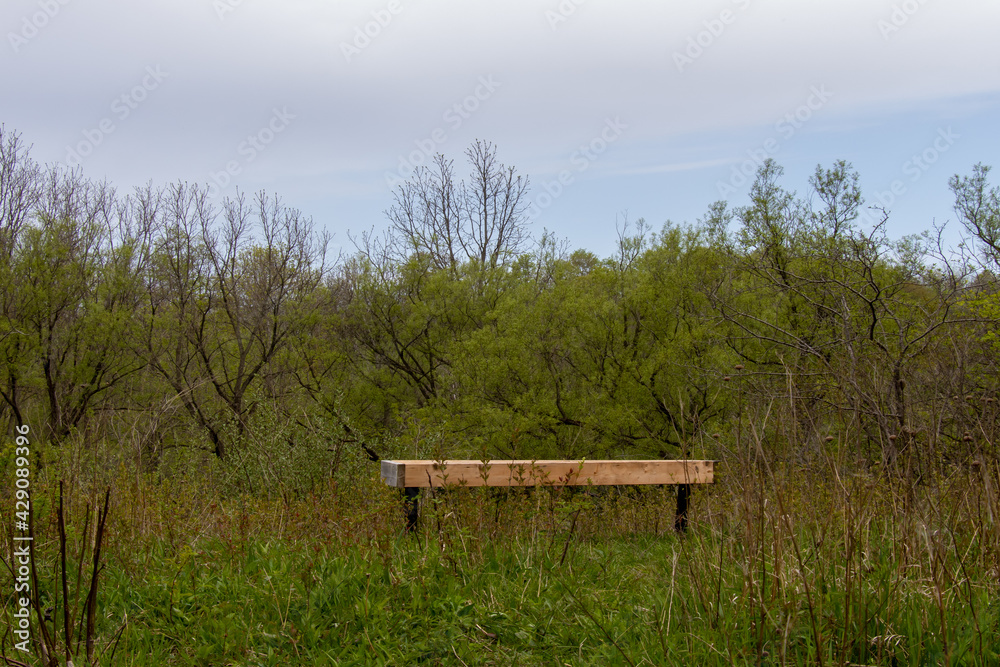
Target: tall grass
[788,561]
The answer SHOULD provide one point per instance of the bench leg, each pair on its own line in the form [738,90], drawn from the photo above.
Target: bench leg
[681,518]
[412,508]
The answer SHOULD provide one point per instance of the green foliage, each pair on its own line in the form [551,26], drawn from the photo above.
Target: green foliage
[986,305]
[192,326]
[273,455]
[978,208]
[208,365]
[71,313]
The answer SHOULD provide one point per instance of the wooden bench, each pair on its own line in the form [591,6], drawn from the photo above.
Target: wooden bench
[415,475]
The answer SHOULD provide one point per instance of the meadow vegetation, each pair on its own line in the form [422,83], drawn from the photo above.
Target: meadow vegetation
[211,374]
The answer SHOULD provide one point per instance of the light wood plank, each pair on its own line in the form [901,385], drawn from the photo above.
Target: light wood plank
[534,473]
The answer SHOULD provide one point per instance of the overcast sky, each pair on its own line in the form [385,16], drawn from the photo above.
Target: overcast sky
[650,108]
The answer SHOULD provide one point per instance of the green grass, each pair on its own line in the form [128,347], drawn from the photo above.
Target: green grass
[790,572]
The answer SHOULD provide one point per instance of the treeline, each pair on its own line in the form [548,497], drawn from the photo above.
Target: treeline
[162,320]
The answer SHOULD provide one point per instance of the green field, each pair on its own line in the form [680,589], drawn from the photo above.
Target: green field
[789,566]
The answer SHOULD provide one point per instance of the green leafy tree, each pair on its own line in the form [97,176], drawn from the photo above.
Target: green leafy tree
[978,208]
[599,358]
[20,191]
[78,260]
[223,299]
[841,318]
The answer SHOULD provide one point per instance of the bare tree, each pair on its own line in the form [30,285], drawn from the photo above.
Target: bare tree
[427,215]
[20,182]
[482,220]
[494,204]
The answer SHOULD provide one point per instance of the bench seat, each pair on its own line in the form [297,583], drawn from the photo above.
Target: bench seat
[424,474]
